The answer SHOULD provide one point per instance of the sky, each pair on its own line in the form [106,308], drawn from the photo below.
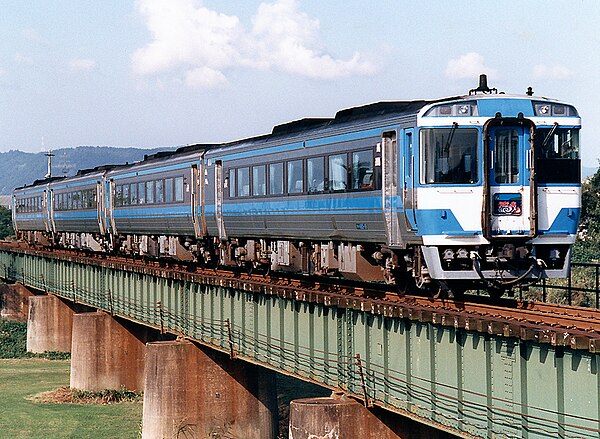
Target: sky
[152,73]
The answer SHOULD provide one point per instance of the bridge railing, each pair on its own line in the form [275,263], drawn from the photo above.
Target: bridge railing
[581,288]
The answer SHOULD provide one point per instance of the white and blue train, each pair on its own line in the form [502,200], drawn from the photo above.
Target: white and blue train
[481,189]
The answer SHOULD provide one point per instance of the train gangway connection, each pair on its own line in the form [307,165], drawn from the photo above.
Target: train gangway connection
[460,370]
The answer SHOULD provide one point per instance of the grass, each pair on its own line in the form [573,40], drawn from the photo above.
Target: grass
[22,379]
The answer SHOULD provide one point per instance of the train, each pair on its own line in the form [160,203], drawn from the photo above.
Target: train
[481,190]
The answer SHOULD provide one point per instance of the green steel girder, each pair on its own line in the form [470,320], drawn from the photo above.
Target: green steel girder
[469,383]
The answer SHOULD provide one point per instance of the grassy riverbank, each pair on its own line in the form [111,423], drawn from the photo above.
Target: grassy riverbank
[21,379]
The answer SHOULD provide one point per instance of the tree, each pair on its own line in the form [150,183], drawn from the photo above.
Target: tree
[587,247]
[6,227]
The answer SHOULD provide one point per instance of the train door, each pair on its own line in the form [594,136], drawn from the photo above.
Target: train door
[100,210]
[197,200]
[45,210]
[511,194]
[219,181]
[408,171]
[389,191]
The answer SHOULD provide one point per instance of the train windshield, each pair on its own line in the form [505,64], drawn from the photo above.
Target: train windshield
[449,155]
[557,151]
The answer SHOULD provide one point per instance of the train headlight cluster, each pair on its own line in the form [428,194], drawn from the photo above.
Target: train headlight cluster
[548,109]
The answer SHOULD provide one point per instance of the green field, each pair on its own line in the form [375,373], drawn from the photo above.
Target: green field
[22,418]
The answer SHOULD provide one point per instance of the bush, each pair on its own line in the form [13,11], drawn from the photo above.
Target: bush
[13,339]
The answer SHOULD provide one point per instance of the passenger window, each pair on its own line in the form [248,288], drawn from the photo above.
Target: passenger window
[141,193]
[294,180]
[231,183]
[168,190]
[315,172]
[125,195]
[178,189]
[338,172]
[243,182]
[160,191]
[150,192]
[118,197]
[362,170]
[259,180]
[276,179]
[133,194]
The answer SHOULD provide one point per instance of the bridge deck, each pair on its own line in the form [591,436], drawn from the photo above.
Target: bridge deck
[466,382]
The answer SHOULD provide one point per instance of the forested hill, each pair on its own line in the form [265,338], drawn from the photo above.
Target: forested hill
[18,168]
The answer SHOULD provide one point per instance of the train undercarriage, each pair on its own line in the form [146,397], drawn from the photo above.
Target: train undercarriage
[435,270]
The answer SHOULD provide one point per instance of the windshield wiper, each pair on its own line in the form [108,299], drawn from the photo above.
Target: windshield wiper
[549,135]
[451,136]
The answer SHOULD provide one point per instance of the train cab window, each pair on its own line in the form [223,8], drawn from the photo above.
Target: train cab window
[276,179]
[338,172]
[362,170]
[168,190]
[295,180]
[449,156]
[506,159]
[141,193]
[557,153]
[160,191]
[259,180]
[178,189]
[243,182]
[150,192]
[315,174]
[133,194]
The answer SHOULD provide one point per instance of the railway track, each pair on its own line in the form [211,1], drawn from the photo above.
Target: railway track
[558,325]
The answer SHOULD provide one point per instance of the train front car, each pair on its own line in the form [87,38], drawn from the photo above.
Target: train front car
[497,191]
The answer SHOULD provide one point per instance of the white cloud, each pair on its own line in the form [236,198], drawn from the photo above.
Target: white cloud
[201,44]
[468,66]
[204,77]
[554,72]
[82,64]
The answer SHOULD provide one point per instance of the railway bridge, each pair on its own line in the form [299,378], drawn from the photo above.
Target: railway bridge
[460,369]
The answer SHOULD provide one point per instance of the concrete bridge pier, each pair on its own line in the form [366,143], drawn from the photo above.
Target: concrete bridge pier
[341,417]
[192,391]
[107,352]
[49,324]
[14,302]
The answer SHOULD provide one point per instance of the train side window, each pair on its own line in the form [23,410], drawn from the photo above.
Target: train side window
[133,194]
[338,172]
[231,183]
[276,179]
[150,192]
[160,191]
[362,170]
[118,195]
[178,189]
[141,193]
[295,183]
[125,195]
[259,180]
[243,182]
[168,190]
[85,194]
[315,173]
